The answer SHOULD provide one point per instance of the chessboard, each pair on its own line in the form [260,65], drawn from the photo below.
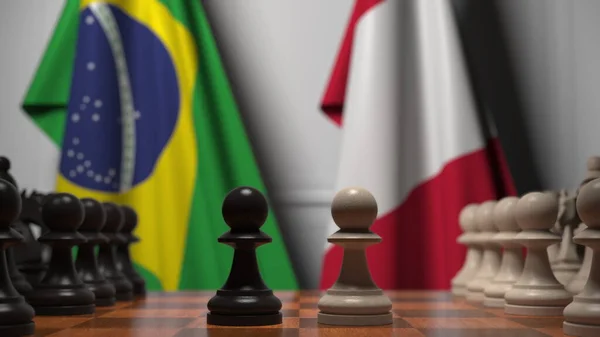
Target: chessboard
[183,314]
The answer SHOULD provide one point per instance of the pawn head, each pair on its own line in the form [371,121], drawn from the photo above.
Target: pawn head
[114,218]
[62,212]
[245,209]
[484,216]
[10,204]
[593,163]
[130,219]
[588,204]
[4,168]
[504,215]
[94,215]
[4,164]
[354,208]
[593,169]
[466,218]
[537,210]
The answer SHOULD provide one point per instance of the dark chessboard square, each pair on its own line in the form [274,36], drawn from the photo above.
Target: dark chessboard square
[312,292]
[241,331]
[167,305]
[152,294]
[420,297]
[442,313]
[45,332]
[482,333]
[290,312]
[135,323]
[115,332]
[539,322]
[60,322]
[308,305]
[312,323]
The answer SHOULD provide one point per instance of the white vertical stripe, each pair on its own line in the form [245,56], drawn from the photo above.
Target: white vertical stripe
[111,29]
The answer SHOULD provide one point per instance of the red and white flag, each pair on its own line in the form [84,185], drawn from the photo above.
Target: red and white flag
[411,135]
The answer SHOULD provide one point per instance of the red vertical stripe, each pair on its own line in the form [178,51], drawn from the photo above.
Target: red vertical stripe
[333,101]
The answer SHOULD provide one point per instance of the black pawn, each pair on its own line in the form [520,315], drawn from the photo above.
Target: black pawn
[35,266]
[244,300]
[18,279]
[86,263]
[61,291]
[16,316]
[124,258]
[107,257]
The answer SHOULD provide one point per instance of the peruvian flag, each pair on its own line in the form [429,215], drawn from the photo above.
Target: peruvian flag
[412,136]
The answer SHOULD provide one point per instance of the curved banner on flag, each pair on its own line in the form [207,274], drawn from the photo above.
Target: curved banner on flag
[128,126]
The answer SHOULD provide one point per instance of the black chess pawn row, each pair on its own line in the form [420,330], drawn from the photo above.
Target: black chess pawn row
[72,287]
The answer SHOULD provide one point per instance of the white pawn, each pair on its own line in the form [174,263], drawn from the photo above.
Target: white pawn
[567,262]
[490,262]
[511,266]
[537,292]
[575,286]
[474,252]
[354,299]
[582,316]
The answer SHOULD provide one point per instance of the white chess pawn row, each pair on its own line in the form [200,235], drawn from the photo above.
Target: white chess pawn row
[495,273]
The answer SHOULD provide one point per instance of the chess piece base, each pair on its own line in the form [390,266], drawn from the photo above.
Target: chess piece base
[105,302]
[492,302]
[123,288]
[459,291]
[18,330]
[139,289]
[104,293]
[531,310]
[65,310]
[581,330]
[494,294]
[475,297]
[124,296]
[244,320]
[576,285]
[354,320]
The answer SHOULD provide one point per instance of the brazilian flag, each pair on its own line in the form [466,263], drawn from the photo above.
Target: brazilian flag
[135,95]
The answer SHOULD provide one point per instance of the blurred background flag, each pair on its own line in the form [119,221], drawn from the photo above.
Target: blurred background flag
[412,135]
[135,95]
